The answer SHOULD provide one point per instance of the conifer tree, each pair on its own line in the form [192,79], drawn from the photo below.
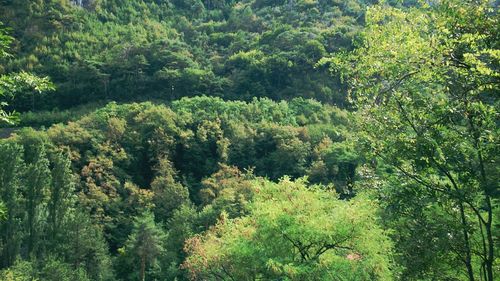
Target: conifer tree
[145,242]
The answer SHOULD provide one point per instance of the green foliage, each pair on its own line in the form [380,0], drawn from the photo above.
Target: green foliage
[140,49]
[169,195]
[227,191]
[17,85]
[293,233]
[35,189]
[56,270]
[3,211]
[10,187]
[21,271]
[62,197]
[182,163]
[400,143]
[425,81]
[40,119]
[85,248]
[144,246]
[41,221]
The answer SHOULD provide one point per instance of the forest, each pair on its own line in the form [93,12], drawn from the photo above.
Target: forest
[245,140]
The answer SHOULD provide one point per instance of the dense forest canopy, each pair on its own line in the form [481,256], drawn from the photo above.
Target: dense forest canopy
[249,140]
[144,49]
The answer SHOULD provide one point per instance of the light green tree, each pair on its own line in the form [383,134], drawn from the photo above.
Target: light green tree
[426,82]
[20,271]
[17,83]
[293,232]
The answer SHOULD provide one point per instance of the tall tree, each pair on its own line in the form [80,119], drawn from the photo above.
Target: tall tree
[168,193]
[426,82]
[84,246]
[145,243]
[62,198]
[11,171]
[35,187]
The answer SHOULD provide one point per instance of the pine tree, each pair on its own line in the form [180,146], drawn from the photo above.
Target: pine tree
[145,242]
[84,246]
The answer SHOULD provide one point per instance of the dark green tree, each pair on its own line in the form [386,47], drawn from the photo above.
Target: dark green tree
[168,194]
[145,244]
[62,197]
[11,173]
[36,188]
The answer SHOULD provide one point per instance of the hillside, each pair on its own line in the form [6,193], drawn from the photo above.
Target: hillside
[224,140]
[143,49]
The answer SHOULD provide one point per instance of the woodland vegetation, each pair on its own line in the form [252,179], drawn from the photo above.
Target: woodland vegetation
[249,140]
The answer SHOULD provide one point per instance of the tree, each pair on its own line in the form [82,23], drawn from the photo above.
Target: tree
[55,270]
[145,243]
[62,198]
[227,191]
[3,211]
[36,186]
[168,194]
[84,247]
[294,233]
[11,171]
[20,271]
[425,81]
[12,84]
[184,223]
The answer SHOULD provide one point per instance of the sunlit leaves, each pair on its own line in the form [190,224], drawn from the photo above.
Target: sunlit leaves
[293,232]
[17,83]
[425,82]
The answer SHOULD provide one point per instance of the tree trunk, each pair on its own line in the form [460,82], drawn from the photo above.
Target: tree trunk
[468,263]
[31,232]
[143,268]
[77,250]
[487,189]
[489,236]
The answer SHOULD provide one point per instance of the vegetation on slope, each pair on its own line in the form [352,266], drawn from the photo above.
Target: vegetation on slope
[222,168]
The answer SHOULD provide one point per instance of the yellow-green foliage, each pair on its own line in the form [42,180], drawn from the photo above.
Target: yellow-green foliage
[294,232]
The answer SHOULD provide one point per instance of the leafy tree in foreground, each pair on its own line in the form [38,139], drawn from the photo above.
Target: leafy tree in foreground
[17,83]
[426,82]
[293,233]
